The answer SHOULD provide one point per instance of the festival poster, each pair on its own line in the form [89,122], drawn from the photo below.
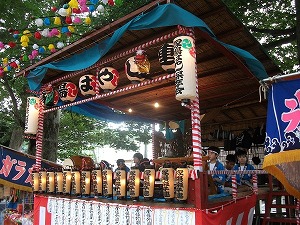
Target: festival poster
[282,156]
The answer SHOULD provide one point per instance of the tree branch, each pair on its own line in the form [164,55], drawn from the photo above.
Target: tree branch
[273,32]
[281,41]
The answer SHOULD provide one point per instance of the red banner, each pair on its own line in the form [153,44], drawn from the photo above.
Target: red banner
[239,212]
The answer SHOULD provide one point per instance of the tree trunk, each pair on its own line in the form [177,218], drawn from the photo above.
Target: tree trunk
[50,140]
[16,139]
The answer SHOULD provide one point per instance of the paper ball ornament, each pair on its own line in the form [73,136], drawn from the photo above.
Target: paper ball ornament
[37,35]
[166,57]
[133,70]
[60,44]
[47,21]
[77,20]
[57,21]
[108,78]
[68,20]
[62,12]
[39,22]
[12,44]
[35,46]
[1,45]
[100,8]
[67,91]
[45,32]
[88,85]
[88,20]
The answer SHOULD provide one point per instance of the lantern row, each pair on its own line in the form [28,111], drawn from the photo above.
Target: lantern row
[106,183]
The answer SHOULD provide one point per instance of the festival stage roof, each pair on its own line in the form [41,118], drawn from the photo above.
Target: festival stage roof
[228,90]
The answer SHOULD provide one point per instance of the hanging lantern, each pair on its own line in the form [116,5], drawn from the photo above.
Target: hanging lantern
[32,113]
[50,182]
[50,96]
[85,182]
[58,175]
[185,62]
[97,181]
[35,181]
[67,91]
[134,183]
[42,181]
[166,57]
[88,85]
[167,179]
[181,190]
[120,184]
[67,181]
[137,68]
[108,78]
[107,183]
[75,182]
[149,181]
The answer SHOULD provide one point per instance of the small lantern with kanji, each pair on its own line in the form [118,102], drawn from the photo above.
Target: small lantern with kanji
[97,181]
[42,181]
[50,182]
[75,182]
[108,78]
[85,182]
[181,190]
[89,85]
[58,175]
[120,184]
[35,180]
[67,91]
[134,183]
[67,175]
[167,179]
[149,181]
[107,178]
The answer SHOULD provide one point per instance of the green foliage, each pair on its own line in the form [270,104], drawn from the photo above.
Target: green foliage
[273,23]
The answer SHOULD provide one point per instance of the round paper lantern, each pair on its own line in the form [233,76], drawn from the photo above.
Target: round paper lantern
[185,61]
[166,57]
[32,113]
[67,91]
[133,72]
[108,78]
[88,85]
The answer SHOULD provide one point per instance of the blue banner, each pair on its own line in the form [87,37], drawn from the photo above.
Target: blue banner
[283,118]
[16,167]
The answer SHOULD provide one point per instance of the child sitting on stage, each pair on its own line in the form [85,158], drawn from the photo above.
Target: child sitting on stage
[244,180]
[215,164]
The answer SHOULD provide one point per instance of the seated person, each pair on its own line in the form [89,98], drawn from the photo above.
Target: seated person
[140,161]
[121,165]
[229,164]
[243,179]
[215,164]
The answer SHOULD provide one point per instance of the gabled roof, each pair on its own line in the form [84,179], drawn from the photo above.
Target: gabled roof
[226,84]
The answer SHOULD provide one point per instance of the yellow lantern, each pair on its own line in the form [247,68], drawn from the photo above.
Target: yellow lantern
[120,184]
[67,176]
[75,181]
[149,181]
[185,62]
[107,176]
[167,179]
[97,182]
[35,181]
[50,182]
[85,182]
[42,181]
[182,177]
[32,114]
[58,175]
[134,183]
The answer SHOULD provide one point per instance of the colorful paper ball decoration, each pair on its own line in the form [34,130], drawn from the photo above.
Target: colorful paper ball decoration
[133,72]
[100,8]
[57,21]
[67,91]
[39,22]
[166,57]
[88,85]
[47,21]
[108,78]
[37,35]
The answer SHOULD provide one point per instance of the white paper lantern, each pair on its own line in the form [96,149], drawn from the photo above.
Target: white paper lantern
[120,184]
[149,182]
[167,179]
[166,57]
[108,78]
[182,176]
[88,85]
[185,62]
[67,91]
[134,183]
[133,72]
[107,179]
[32,114]
[97,181]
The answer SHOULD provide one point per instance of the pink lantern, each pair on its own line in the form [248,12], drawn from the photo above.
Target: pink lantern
[67,91]
[88,85]
[108,78]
